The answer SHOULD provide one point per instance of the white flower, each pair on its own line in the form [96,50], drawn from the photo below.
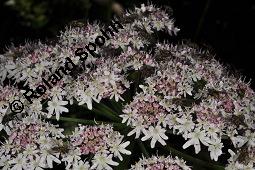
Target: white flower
[57,92]
[127,117]
[36,164]
[212,131]
[3,109]
[137,43]
[56,107]
[71,158]
[137,130]
[45,143]
[116,94]
[160,162]
[102,161]
[215,149]
[143,8]
[148,89]
[117,148]
[158,25]
[110,78]
[171,121]
[185,88]
[30,151]
[239,166]
[238,141]
[19,162]
[28,75]
[48,159]
[162,119]
[86,97]
[194,138]
[81,166]
[3,74]
[1,126]
[14,70]
[41,67]
[36,106]
[186,124]
[4,162]
[249,138]
[157,134]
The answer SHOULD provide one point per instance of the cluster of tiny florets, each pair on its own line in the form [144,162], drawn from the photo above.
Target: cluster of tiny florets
[194,97]
[30,144]
[35,144]
[101,141]
[161,162]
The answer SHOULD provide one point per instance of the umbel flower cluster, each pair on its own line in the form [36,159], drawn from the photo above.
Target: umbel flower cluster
[156,162]
[141,88]
[35,144]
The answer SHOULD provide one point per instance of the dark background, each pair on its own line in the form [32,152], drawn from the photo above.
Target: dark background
[226,27]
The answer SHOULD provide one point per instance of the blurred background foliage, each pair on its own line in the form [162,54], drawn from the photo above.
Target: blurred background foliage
[227,26]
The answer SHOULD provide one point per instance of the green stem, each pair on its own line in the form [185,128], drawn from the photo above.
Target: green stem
[116,106]
[194,160]
[103,107]
[107,114]
[143,149]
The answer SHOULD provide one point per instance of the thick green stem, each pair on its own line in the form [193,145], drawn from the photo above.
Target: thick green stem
[199,162]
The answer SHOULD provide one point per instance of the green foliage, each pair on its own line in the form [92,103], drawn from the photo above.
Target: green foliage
[49,13]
